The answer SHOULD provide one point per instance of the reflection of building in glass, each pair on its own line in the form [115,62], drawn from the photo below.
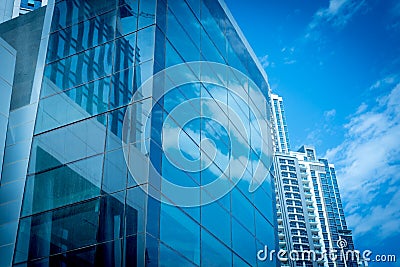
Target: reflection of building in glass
[29,5]
[309,209]
[65,177]
[14,8]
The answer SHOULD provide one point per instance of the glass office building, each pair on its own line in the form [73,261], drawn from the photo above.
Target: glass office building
[65,177]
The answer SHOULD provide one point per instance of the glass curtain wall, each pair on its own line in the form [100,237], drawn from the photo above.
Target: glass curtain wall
[82,206]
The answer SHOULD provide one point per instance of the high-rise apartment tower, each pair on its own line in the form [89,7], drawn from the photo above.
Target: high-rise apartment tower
[309,209]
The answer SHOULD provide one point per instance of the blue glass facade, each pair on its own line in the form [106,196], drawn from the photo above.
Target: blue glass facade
[82,205]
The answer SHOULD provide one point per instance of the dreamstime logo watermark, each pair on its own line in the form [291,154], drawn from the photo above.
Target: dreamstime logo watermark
[334,255]
[145,108]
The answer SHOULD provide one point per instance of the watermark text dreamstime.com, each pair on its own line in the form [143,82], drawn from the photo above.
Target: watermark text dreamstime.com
[334,255]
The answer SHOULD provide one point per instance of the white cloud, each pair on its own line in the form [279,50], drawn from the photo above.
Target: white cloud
[264,61]
[363,107]
[330,114]
[396,9]
[288,55]
[338,13]
[321,129]
[368,165]
[385,81]
[289,62]
[314,137]
[384,219]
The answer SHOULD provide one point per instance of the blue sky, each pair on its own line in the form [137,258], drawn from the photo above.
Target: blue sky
[336,64]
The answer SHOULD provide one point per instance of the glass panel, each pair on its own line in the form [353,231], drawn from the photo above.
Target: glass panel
[244,243]
[214,24]
[6,254]
[175,34]
[187,19]
[218,93]
[153,217]
[212,172]
[217,220]
[217,134]
[208,49]
[213,252]
[147,10]
[190,91]
[143,72]
[258,102]
[69,12]
[8,231]
[114,129]
[225,202]
[242,209]
[169,257]
[244,183]
[9,212]
[241,110]
[127,18]
[171,56]
[82,36]
[186,240]
[182,154]
[56,231]
[234,60]
[122,88]
[237,261]
[111,217]
[145,44]
[131,251]
[255,74]
[106,254]
[256,142]
[137,127]
[181,94]
[264,203]
[268,262]
[265,231]
[193,212]
[64,185]
[161,15]
[176,174]
[81,68]
[136,210]
[72,105]
[159,48]
[195,6]
[152,245]
[11,191]
[155,159]
[125,52]
[67,144]
[115,172]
